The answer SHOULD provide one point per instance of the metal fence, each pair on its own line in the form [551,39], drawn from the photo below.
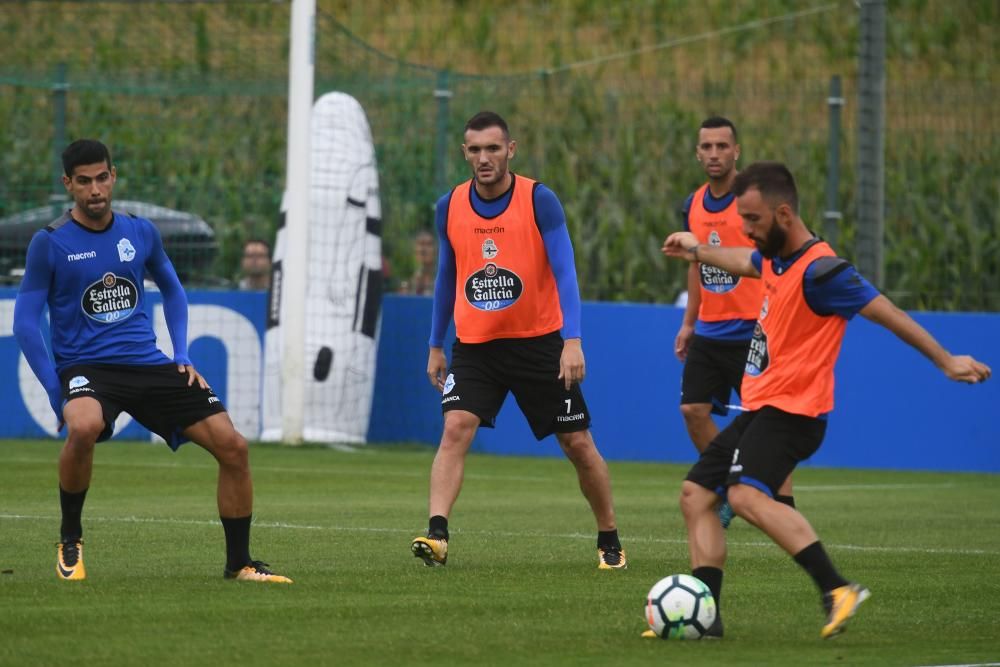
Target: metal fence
[604,102]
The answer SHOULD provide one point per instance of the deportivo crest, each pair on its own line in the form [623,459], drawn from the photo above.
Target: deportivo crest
[449,383]
[111,299]
[493,288]
[490,249]
[763,310]
[126,252]
[78,381]
[757,357]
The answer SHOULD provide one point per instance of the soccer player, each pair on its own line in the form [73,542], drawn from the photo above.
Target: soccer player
[89,266]
[721,307]
[809,295]
[506,274]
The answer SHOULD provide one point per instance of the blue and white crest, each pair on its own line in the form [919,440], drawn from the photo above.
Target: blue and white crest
[490,249]
[78,381]
[449,383]
[126,252]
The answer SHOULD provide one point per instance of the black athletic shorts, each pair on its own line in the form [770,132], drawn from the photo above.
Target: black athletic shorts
[157,397]
[481,374]
[713,369]
[758,448]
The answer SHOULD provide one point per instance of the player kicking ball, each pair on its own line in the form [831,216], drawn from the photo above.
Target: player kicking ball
[787,390]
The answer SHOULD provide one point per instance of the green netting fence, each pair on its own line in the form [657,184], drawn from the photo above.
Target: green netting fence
[604,101]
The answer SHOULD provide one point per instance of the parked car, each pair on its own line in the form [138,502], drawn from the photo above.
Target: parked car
[188,239]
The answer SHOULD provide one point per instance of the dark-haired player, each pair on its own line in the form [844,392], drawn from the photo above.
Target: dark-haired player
[89,266]
[507,276]
[809,295]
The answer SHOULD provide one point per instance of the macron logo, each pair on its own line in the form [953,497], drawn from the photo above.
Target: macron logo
[81,255]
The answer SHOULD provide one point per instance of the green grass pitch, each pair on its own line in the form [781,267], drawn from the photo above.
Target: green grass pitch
[521,586]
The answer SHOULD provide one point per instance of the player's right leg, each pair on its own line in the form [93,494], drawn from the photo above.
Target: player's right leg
[471,396]
[706,543]
[85,423]
[699,500]
[702,430]
[447,474]
[706,539]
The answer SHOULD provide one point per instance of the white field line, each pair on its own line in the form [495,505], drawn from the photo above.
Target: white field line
[495,534]
[354,471]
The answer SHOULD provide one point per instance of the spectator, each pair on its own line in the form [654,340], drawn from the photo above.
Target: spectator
[255,266]
[425,266]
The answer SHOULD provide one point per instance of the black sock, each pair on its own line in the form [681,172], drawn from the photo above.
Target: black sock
[438,527]
[712,576]
[72,510]
[786,500]
[608,538]
[237,542]
[815,561]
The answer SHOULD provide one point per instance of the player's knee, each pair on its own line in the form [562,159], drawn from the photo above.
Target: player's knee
[696,413]
[743,498]
[695,499]
[458,430]
[578,445]
[232,451]
[84,430]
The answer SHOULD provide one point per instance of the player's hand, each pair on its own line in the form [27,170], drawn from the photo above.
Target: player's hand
[964,368]
[56,402]
[193,375]
[683,341]
[437,367]
[679,244]
[572,367]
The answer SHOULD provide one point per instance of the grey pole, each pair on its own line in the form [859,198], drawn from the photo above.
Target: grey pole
[443,95]
[832,214]
[871,141]
[59,88]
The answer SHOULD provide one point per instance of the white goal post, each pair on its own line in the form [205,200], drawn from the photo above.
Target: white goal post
[301,67]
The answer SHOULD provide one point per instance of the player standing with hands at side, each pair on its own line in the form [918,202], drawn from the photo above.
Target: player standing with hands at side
[89,266]
[722,307]
[507,275]
[809,295]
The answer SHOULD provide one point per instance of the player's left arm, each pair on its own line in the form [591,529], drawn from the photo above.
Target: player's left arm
[833,286]
[551,220]
[961,368]
[175,304]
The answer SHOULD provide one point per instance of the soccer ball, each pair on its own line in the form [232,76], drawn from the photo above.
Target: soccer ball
[680,607]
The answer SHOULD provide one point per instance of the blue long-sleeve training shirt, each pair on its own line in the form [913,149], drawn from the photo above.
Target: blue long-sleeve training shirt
[92,282]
